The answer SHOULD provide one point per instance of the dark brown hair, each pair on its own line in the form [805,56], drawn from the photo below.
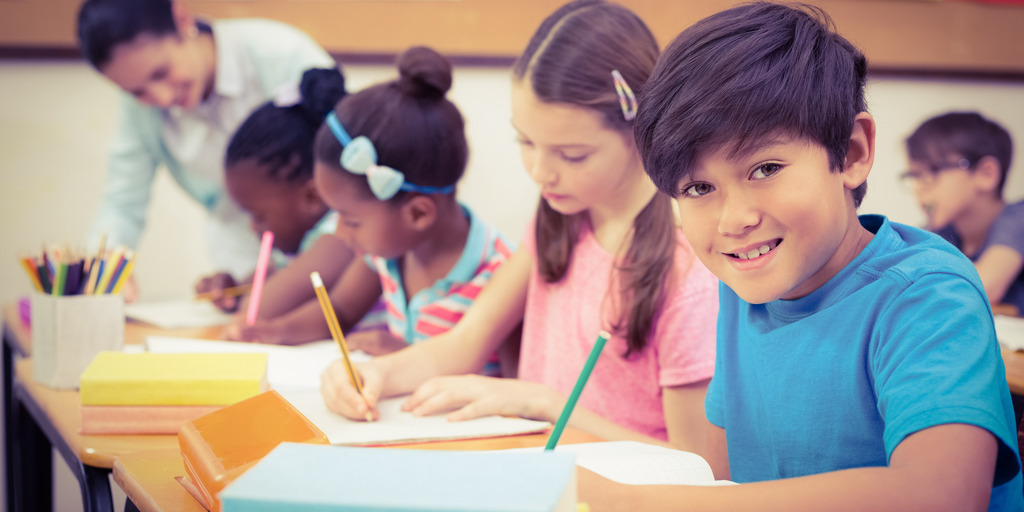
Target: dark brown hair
[570,60]
[745,74]
[965,134]
[413,126]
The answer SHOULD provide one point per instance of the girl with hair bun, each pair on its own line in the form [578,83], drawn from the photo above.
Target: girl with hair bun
[269,174]
[604,253]
[387,160]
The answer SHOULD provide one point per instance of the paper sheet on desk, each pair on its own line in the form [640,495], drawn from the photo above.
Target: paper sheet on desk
[294,371]
[1010,331]
[396,426]
[287,366]
[636,463]
[177,314]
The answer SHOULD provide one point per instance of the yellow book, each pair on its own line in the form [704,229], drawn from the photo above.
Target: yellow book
[118,378]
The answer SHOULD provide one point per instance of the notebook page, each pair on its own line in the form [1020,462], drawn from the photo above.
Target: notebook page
[287,366]
[1010,331]
[396,426]
[636,463]
[176,314]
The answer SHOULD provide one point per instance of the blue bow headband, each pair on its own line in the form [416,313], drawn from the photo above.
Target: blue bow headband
[358,156]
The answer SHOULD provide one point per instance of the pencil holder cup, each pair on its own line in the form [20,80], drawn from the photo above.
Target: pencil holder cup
[67,332]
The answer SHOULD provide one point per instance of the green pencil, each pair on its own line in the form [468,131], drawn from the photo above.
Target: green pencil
[588,367]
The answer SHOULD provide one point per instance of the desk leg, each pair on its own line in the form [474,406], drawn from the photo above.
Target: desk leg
[129,506]
[8,412]
[94,482]
[31,463]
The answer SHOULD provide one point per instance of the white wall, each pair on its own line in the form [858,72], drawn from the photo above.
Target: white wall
[56,119]
[900,105]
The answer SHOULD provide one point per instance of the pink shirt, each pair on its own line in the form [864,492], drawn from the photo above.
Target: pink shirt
[563,319]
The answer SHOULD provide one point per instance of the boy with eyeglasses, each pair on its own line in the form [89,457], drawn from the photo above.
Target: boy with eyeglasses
[958,166]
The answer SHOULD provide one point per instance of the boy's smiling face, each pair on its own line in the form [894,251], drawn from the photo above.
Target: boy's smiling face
[775,222]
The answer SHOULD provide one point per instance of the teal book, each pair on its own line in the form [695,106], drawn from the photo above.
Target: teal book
[302,478]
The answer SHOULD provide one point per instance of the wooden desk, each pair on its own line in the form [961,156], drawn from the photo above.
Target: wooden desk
[1014,362]
[41,419]
[149,478]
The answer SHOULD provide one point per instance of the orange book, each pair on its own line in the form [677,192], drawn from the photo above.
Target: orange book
[140,419]
[222,445]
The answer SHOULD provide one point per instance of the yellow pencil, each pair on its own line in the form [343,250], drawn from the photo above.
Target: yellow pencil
[339,337]
[109,268]
[94,267]
[233,291]
[128,267]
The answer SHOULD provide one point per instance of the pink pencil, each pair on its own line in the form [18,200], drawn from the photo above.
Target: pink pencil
[261,275]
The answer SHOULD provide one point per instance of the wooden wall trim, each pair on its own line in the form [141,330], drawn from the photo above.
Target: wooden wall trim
[905,35]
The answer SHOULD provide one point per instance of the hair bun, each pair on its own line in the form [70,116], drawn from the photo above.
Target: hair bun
[321,89]
[424,73]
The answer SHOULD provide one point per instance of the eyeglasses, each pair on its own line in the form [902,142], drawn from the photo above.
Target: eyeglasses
[927,178]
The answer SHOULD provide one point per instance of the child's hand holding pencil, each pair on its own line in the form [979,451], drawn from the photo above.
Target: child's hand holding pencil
[222,290]
[341,396]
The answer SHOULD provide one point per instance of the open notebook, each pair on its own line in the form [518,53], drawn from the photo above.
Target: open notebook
[295,373]
[636,463]
[1010,331]
[175,314]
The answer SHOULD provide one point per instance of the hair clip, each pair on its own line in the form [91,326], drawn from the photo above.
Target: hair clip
[627,101]
[288,96]
[359,156]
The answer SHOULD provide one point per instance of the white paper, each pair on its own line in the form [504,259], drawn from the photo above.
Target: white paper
[294,371]
[177,314]
[1010,331]
[636,463]
[396,426]
[287,366]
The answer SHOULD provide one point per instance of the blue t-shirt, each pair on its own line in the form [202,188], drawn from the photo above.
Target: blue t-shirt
[899,340]
[1007,230]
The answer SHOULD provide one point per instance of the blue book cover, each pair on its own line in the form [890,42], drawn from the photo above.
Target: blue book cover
[300,477]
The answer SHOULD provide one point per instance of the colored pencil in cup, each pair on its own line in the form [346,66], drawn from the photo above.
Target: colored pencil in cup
[108,268]
[570,404]
[33,272]
[266,246]
[95,267]
[126,272]
[339,337]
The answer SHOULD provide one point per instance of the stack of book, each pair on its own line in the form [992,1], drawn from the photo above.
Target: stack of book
[299,478]
[219,447]
[146,393]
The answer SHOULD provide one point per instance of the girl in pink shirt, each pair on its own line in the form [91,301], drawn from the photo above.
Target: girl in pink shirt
[603,253]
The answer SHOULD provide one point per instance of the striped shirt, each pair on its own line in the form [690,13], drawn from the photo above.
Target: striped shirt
[435,309]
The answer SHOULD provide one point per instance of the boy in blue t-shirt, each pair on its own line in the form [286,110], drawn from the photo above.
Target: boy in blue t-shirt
[958,167]
[857,366]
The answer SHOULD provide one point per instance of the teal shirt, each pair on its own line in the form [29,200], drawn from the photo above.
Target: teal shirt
[327,225]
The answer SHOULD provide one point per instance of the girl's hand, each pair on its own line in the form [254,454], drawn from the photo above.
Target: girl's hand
[473,396]
[376,342]
[341,397]
[215,285]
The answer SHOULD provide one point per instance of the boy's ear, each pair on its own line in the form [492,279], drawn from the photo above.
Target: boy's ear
[986,173]
[861,153]
[419,212]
